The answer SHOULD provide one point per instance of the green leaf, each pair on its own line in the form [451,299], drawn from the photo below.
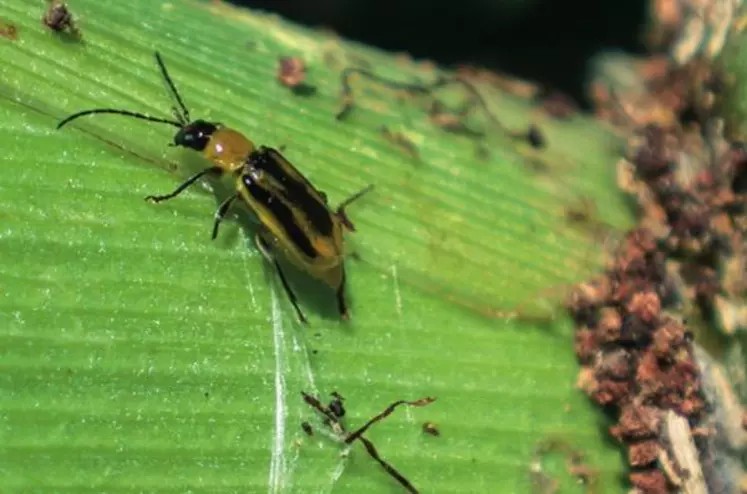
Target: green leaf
[137,355]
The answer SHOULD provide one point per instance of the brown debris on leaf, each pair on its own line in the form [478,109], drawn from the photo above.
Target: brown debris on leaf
[691,28]
[633,92]
[679,458]
[650,482]
[643,454]
[292,74]
[333,414]
[688,255]
[684,182]
[431,429]
[637,358]
[584,473]
[58,18]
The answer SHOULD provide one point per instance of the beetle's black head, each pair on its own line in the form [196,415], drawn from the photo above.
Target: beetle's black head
[195,135]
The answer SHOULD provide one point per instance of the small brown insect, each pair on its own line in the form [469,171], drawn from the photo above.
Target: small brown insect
[58,18]
[291,71]
[431,428]
[292,74]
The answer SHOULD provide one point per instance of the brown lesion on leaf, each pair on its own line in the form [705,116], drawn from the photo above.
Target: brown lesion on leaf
[401,141]
[583,215]
[452,120]
[511,85]
[576,466]
[8,30]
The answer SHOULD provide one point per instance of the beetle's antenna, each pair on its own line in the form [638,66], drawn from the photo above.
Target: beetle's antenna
[113,111]
[181,113]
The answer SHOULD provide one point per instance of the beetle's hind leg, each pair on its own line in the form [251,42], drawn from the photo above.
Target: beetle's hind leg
[341,208]
[264,249]
[341,304]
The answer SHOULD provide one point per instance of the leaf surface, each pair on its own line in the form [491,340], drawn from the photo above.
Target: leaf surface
[137,355]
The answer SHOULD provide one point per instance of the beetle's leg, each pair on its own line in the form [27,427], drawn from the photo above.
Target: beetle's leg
[341,208]
[221,213]
[264,249]
[341,305]
[213,170]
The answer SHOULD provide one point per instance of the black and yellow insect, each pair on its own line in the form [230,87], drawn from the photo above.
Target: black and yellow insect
[294,217]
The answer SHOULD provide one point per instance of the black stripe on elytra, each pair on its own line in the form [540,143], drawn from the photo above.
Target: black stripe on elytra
[282,213]
[270,161]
